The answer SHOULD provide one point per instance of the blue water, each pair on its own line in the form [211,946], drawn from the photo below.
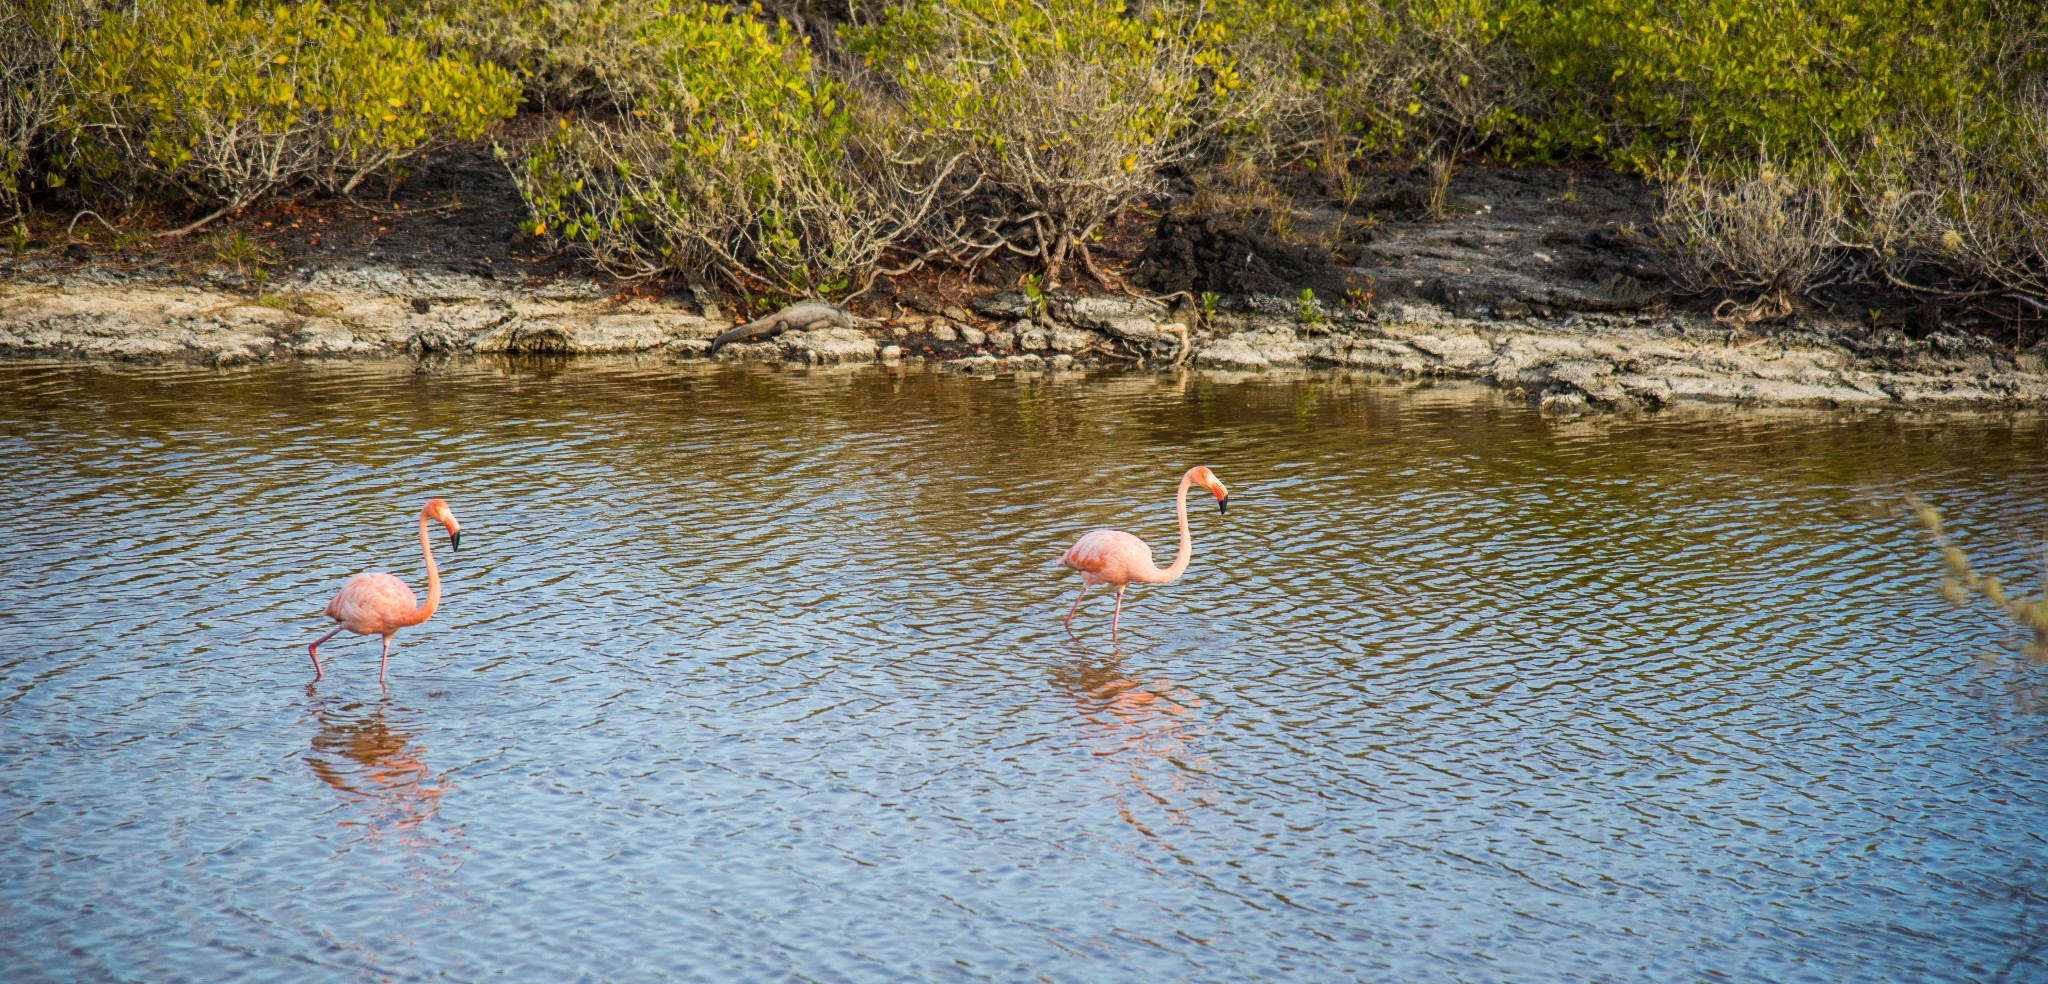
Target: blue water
[756,675]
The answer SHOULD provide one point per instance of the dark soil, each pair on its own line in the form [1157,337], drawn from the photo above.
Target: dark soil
[1232,255]
[456,210]
[1512,243]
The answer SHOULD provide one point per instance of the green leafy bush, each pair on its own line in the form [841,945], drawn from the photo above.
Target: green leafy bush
[568,53]
[1365,79]
[228,101]
[745,161]
[1640,82]
[1643,83]
[1061,110]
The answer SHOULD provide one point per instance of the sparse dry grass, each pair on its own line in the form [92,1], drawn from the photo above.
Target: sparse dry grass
[1767,232]
[1238,188]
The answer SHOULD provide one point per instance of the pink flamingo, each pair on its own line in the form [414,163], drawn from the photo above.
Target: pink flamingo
[379,604]
[1116,557]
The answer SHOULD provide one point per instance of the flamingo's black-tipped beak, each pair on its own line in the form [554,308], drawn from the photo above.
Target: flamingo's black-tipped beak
[455,540]
[1222,503]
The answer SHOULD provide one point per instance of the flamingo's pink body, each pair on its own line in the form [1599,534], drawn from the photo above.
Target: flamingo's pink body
[1117,558]
[380,604]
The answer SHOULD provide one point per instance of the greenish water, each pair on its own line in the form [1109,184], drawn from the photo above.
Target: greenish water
[757,675]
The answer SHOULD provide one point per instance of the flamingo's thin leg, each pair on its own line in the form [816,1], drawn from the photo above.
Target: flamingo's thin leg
[314,649]
[385,662]
[1069,623]
[1119,613]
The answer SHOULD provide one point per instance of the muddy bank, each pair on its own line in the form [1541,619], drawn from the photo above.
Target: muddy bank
[1536,281]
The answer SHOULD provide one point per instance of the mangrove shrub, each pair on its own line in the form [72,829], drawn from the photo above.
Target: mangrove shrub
[1061,110]
[567,53]
[226,101]
[745,161]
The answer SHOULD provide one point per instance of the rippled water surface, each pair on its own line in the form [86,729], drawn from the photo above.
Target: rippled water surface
[757,675]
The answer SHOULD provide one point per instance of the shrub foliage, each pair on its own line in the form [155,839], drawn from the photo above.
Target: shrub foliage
[567,53]
[1908,136]
[1061,110]
[228,101]
[28,93]
[746,161]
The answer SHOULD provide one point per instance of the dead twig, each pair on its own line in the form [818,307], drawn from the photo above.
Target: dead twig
[74,224]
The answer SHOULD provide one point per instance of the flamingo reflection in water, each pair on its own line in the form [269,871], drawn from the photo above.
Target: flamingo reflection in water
[1145,731]
[367,753]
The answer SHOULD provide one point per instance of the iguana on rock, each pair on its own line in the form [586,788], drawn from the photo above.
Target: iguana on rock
[799,317]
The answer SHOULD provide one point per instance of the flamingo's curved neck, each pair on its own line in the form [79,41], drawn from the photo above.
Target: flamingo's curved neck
[1187,542]
[426,611]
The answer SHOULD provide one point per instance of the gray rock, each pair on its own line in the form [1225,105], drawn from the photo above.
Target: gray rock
[1593,378]
[828,346]
[972,335]
[1134,319]
[1072,339]
[590,334]
[707,302]
[1006,306]
[975,363]
[436,339]
[1590,357]
[1231,352]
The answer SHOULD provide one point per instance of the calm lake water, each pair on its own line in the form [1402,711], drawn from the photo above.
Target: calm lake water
[747,674]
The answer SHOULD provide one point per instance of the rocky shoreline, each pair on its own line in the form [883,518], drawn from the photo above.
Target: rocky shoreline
[1613,360]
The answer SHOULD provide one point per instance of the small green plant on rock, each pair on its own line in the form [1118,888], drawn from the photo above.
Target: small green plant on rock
[1308,309]
[1360,300]
[1034,296]
[241,252]
[1439,193]
[1207,307]
[17,240]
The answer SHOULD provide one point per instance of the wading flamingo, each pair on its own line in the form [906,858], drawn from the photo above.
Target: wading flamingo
[379,604]
[1118,558]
